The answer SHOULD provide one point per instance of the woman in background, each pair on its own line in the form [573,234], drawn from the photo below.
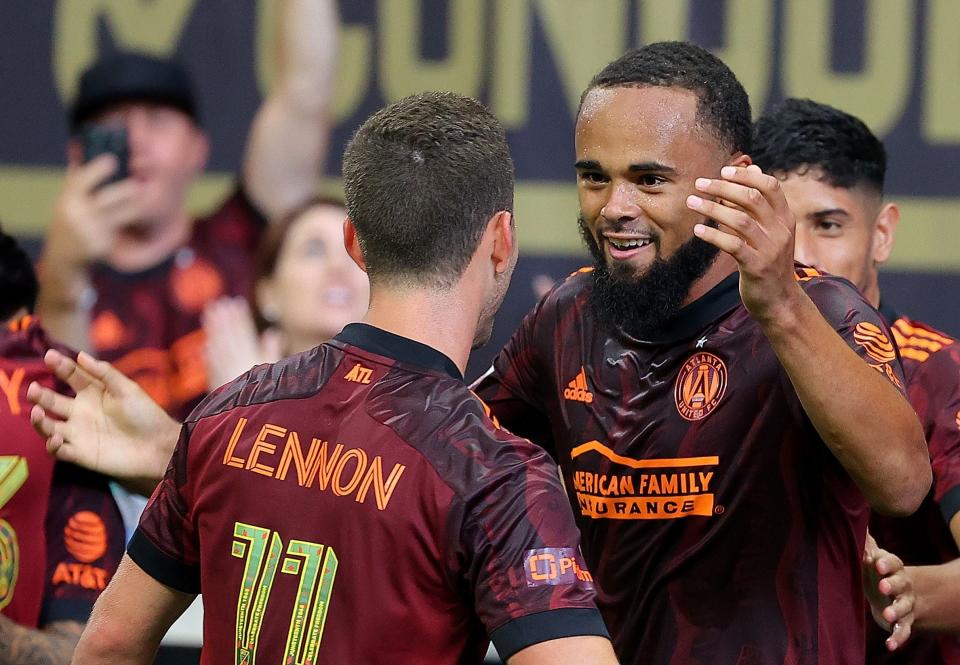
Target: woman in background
[307,288]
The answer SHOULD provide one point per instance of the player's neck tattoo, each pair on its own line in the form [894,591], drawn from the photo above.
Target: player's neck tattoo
[641,305]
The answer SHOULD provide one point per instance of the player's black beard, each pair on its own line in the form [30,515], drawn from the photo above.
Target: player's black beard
[642,305]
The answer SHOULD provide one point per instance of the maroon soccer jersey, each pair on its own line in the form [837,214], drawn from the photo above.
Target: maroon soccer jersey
[355,504]
[61,536]
[931,362]
[719,528]
[148,323]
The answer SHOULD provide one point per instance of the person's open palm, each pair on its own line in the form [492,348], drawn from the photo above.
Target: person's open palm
[111,426]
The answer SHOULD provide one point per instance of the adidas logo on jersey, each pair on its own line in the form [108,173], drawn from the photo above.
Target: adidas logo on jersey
[577,390]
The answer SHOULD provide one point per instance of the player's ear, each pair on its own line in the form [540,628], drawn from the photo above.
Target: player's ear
[351,242]
[504,249]
[739,159]
[884,230]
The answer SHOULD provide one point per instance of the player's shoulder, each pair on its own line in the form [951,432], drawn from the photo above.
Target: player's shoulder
[456,434]
[811,279]
[569,292]
[835,296]
[295,377]
[921,342]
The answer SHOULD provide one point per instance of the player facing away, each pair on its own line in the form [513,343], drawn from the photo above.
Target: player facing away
[355,503]
[831,168]
[723,418]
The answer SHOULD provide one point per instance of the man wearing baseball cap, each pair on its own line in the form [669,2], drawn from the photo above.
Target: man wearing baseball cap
[126,270]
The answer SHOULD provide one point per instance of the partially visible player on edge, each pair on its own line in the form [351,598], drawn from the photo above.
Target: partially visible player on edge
[61,536]
[355,503]
[831,168]
[720,435]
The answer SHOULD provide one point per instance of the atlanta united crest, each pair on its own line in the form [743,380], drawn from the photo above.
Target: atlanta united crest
[701,383]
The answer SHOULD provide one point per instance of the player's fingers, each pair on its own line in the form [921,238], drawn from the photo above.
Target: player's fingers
[108,375]
[733,245]
[737,221]
[887,562]
[894,585]
[900,635]
[768,186]
[870,549]
[750,199]
[67,370]
[898,610]
[50,400]
[46,426]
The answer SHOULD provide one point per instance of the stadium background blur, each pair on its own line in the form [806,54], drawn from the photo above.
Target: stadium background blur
[893,63]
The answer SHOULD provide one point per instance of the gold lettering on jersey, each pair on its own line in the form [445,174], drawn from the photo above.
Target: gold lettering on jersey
[10,386]
[664,488]
[359,374]
[338,469]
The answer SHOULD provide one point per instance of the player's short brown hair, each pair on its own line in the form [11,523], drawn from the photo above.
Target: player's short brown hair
[422,178]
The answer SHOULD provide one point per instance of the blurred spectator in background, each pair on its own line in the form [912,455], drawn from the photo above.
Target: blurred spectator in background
[61,537]
[126,272]
[832,170]
[306,289]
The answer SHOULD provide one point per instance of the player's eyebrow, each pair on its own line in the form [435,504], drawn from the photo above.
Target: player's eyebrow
[828,212]
[654,167]
[643,167]
[588,165]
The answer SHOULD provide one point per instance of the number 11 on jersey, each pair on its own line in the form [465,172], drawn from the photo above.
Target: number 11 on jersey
[262,550]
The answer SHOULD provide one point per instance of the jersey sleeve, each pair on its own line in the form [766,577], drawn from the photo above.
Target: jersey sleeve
[934,391]
[165,544]
[520,555]
[85,538]
[861,326]
[513,384]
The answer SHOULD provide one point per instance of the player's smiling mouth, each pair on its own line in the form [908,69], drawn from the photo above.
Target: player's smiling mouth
[622,246]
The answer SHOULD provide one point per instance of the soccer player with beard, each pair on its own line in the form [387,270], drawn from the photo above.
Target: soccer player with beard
[723,418]
[355,503]
[832,168]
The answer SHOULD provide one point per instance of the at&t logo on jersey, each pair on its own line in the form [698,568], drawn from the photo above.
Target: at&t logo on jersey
[701,384]
[85,539]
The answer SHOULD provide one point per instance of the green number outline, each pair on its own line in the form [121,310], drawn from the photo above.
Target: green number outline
[317,572]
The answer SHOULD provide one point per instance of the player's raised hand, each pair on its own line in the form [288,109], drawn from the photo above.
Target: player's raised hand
[110,426]
[755,226]
[889,591]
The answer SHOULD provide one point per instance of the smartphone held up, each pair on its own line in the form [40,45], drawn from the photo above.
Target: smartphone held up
[98,139]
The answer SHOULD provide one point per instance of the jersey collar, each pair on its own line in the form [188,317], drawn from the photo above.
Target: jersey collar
[696,316]
[383,343]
